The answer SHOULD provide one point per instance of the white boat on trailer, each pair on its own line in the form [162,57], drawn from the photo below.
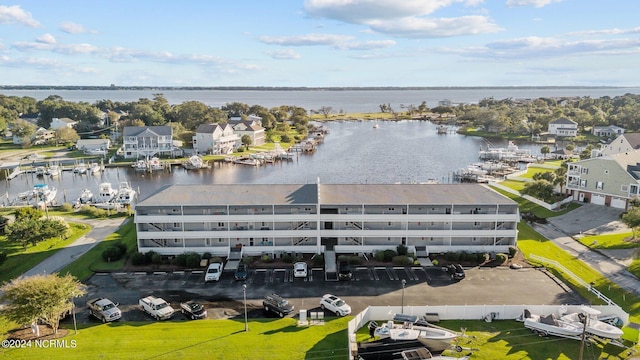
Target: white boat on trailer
[411,327]
[594,326]
[425,354]
[551,325]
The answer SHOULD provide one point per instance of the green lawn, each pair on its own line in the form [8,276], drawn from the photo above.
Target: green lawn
[527,206]
[20,260]
[92,261]
[200,339]
[610,241]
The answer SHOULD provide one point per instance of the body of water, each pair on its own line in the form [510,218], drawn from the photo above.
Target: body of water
[353,152]
[345,100]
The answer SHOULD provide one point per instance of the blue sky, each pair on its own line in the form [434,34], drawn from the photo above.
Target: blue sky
[320,43]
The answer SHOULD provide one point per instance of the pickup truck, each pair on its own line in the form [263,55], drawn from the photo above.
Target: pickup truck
[156,307]
[104,309]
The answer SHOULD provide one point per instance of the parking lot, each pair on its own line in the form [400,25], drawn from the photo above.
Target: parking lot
[369,286]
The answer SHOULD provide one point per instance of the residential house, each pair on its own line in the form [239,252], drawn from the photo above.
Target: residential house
[147,141]
[57,123]
[93,144]
[563,127]
[40,137]
[609,180]
[607,131]
[215,139]
[252,127]
[623,143]
[313,218]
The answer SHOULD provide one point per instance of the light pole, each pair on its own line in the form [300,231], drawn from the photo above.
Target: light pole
[73,310]
[404,282]
[244,295]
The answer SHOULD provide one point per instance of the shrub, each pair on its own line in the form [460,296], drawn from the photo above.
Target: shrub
[247,260]
[206,255]
[389,254]
[3,257]
[112,253]
[482,257]
[435,262]
[66,207]
[501,258]
[402,249]
[266,258]
[287,258]
[138,258]
[192,260]
[401,260]
[181,260]
[156,259]
[318,260]
[452,256]
[379,256]
[355,260]
[512,251]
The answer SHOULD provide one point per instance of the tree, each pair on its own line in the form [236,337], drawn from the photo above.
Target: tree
[326,110]
[246,141]
[65,135]
[45,298]
[632,219]
[560,177]
[545,150]
[30,229]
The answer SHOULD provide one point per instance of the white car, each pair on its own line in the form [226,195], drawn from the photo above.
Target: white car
[300,269]
[335,304]
[213,272]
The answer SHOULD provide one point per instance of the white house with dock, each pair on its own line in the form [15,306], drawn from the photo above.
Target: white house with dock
[260,219]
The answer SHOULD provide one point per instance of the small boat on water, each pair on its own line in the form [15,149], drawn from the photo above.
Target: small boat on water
[140,165]
[195,162]
[155,164]
[94,168]
[106,192]
[44,194]
[81,169]
[40,171]
[594,325]
[375,125]
[53,170]
[126,195]
[86,196]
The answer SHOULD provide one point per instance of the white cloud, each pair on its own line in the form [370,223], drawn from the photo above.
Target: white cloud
[366,45]
[534,3]
[42,45]
[285,54]
[306,40]
[72,28]
[361,11]
[15,15]
[436,28]
[46,39]
[635,30]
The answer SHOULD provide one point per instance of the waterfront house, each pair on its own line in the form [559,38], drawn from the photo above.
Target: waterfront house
[607,131]
[215,139]
[313,218]
[252,126]
[563,127]
[57,123]
[39,137]
[93,144]
[610,180]
[147,141]
[623,143]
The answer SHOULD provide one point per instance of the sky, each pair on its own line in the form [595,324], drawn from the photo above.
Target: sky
[320,43]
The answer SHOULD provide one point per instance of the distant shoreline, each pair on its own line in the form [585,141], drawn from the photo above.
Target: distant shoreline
[293,88]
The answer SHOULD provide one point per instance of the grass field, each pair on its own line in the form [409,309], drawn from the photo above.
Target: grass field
[610,241]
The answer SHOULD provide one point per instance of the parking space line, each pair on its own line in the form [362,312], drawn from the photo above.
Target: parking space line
[375,273]
[392,273]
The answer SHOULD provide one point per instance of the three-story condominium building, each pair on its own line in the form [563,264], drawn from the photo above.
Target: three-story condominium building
[312,218]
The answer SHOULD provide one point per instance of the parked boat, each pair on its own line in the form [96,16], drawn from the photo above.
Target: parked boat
[86,196]
[40,171]
[53,170]
[126,195]
[81,169]
[195,162]
[140,165]
[44,194]
[375,125]
[155,164]
[106,192]
[594,325]
[425,354]
[442,129]
[407,327]
[94,168]
[551,325]
[107,205]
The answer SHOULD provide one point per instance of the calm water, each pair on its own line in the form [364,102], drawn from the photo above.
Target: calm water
[353,152]
[346,100]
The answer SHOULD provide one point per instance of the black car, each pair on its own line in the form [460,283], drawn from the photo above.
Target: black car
[344,270]
[193,310]
[455,271]
[241,272]
[276,304]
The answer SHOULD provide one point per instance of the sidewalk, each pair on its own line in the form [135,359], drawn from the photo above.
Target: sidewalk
[100,230]
[594,219]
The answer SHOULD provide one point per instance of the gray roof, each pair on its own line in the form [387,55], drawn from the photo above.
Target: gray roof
[633,139]
[136,130]
[206,128]
[335,194]
[563,120]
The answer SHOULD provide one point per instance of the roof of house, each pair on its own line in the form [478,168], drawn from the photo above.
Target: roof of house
[334,194]
[563,120]
[136,130]
[210,128]
[65,120]
[92,141]
[633,139]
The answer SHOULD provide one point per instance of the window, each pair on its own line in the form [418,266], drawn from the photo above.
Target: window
[599,185]
[220,224]
[583,183]
[585,170]
[624,188]
[633,189]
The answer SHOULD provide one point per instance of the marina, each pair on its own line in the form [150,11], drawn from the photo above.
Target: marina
[352,152]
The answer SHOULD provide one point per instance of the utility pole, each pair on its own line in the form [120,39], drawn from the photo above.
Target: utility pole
[583,320]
